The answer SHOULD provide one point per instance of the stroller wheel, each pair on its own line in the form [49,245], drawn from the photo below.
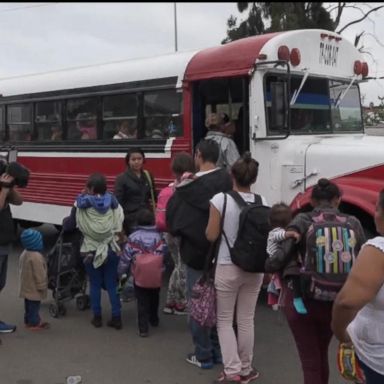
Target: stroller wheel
[82,302]
[53,310]
[62,310]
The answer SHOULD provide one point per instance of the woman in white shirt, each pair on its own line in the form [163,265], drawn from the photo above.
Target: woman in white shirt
[358,311]
[236,289]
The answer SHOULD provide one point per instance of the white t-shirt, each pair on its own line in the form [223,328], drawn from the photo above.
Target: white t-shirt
[231,221]
[367,328]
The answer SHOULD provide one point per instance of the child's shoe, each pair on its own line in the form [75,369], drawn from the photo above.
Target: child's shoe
[206,364]
[299,305]
[115,322]
[253,375]
[224,379]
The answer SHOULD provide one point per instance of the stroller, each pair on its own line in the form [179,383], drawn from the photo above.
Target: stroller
[66,274]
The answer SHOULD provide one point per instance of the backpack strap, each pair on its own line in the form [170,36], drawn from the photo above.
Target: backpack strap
[241,202]
[149,179]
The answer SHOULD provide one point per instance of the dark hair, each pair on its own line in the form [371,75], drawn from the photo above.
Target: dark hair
[182,162]
[132,151]
[224,118]
[209,150]
[145,217]
[98,183]
[325,190]
[280,215]
[245,170]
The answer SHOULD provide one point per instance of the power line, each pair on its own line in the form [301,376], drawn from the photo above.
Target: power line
[25,7]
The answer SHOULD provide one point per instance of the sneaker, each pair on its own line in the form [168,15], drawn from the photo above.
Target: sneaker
[7,328]
[97,321]
[253,375]
[168,310]
[206,364]
[224,379]
[115,322]
[180,311]
[39,327]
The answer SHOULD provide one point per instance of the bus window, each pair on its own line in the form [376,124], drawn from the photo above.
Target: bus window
[19,118]
[81,118]
[48,120]
[162,114]
[120,116]
[347,115]
[311,111]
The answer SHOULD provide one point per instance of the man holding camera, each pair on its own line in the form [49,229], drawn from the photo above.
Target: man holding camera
[8,195]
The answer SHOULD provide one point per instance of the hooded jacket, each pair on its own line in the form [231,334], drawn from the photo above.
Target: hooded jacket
[188,212]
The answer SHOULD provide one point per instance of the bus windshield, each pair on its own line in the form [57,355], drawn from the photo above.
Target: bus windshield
[317,108]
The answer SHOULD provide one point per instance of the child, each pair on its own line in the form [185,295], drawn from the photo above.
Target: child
[33,278]
[145,241]
[280,217]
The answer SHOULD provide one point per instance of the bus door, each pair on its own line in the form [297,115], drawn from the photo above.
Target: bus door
[228,95]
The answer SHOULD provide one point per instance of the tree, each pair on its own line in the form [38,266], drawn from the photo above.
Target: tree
[289,16]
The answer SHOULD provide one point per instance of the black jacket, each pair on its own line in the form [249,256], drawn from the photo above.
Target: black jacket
[188,212]
[132,192]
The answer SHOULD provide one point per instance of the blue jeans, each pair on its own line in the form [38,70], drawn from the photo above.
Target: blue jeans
[205,339]
[31,315]
[371,376]
[104,276]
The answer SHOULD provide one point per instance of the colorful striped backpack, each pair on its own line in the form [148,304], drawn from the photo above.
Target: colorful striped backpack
[331,250]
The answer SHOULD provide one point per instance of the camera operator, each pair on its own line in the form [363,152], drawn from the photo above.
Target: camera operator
[8,195]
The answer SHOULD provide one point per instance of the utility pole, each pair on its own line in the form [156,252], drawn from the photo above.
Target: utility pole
[174,11]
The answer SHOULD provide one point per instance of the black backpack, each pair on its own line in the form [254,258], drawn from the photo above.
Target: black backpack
[249,252]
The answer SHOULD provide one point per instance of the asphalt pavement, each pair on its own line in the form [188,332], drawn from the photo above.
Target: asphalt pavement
[73,347]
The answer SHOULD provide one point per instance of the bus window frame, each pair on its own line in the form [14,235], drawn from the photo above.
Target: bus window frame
[63,96]
[275,136]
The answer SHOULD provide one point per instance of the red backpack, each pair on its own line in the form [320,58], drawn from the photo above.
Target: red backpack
[162,201]
[147,269]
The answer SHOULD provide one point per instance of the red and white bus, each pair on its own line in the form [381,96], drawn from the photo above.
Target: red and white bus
[294,97]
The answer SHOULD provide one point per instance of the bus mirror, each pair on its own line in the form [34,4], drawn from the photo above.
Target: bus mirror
[279,105]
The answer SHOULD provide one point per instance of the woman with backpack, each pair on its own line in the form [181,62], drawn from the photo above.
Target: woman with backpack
[237,290]
[358,312]
[183,168]
[329,242]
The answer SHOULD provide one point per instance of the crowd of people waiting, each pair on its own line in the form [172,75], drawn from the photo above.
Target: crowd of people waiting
[198,209]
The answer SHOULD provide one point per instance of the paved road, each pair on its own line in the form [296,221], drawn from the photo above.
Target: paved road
[106,356]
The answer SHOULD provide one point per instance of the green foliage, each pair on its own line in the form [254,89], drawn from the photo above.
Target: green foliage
[279,17]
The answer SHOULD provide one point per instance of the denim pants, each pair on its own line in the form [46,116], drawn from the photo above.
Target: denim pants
[104,276]
[205,339]
[31,312]
[371,376]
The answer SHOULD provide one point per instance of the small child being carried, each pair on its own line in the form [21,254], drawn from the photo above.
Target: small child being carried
[280,217]
[144,254]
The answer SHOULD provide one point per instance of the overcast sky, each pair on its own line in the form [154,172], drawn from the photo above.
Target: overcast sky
[38,37]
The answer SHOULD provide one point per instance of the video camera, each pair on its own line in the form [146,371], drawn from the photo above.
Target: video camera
[17,171]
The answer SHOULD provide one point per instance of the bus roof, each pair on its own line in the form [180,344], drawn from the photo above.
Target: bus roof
[232,59]
[322,52]
[171,65]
